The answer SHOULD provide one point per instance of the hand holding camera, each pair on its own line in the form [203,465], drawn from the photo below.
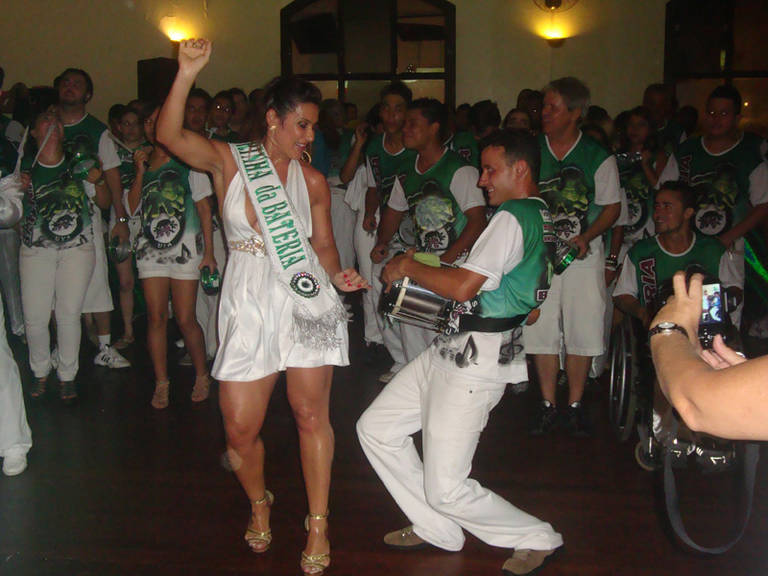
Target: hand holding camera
[696,303]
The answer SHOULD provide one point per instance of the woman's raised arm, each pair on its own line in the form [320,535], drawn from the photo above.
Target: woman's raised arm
[193,149]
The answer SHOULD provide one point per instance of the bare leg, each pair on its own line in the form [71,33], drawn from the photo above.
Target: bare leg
[183,297]
[309,391]
[243,407]
[101,320]
[577,369]
[547,366]
[156,295]
[125,275]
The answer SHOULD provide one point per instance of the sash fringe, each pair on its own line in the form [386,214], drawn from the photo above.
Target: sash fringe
[319,333]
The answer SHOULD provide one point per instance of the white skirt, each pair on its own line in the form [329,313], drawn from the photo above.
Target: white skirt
[256,325]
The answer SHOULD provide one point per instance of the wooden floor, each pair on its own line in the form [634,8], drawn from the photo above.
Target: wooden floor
[117,488]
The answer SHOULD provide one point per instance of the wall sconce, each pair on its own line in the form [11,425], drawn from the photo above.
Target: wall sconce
[554,35]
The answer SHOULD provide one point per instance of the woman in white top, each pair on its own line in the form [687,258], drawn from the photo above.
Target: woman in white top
[260,330]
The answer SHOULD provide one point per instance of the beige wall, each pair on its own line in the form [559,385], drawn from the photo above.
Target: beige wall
[617,48]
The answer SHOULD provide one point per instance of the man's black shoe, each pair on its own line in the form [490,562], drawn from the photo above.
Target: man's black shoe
[546,420]
[576,421]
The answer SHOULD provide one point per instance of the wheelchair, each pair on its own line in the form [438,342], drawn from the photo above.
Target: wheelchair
[630,405]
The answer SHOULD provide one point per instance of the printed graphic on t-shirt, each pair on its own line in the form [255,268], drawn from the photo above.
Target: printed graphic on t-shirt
[717,192]
[638,191]
[567,196]
[433,218]
[163,207]
[60,205]
[127,167]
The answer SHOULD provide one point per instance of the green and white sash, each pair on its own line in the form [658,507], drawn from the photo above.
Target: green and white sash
[317,311]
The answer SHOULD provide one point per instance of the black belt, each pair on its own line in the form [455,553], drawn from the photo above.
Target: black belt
[469,323]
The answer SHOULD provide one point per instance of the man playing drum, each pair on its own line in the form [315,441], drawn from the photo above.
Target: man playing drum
[449,390]
[435,204]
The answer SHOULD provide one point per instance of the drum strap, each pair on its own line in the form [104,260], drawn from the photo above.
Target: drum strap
[470,323]
[750,457]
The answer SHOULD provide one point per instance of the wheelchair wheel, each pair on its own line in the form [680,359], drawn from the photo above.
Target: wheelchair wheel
[622,400]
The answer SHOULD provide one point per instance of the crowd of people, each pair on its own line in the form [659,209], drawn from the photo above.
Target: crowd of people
[531,226]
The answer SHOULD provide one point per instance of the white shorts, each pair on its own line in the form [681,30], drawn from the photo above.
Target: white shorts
[98,297]
[575,305]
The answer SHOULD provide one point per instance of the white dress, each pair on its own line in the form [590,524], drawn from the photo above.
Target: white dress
[256,310]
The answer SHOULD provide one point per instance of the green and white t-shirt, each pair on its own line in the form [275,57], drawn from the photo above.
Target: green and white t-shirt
[648,265]
[91,136]
[576,188]
[515,254]
[436,201]
[638,222]
[127,166]
[726,183]
[382,167]
[465,145]
[57,213]
[170,226]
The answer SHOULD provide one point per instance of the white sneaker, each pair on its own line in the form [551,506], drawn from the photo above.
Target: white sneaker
[110,358]
[14,463]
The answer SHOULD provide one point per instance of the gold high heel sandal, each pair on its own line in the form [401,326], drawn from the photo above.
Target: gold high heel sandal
[315,564]
[259,541]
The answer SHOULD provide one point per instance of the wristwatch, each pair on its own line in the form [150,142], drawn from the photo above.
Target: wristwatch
[122,220]
[666,328]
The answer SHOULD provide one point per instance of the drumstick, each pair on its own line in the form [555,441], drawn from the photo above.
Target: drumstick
[51,128]
[117,141]
[17,169]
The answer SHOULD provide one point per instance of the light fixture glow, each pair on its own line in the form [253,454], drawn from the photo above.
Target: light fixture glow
[174,29]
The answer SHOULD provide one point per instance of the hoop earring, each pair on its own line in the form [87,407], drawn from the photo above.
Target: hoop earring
[306,157]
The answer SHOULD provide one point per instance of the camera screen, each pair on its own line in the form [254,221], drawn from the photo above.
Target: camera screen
[711,304]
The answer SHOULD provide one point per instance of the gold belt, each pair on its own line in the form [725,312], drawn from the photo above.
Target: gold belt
[254,245]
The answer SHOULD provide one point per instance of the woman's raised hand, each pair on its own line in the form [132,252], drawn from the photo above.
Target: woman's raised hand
[194,54]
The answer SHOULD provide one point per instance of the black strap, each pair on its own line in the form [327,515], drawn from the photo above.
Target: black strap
[751,456]
[470,323]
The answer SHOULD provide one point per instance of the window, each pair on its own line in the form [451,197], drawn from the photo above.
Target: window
[711,42]
[351,49]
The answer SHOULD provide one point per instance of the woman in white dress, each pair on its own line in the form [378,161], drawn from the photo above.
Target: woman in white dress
[262,327]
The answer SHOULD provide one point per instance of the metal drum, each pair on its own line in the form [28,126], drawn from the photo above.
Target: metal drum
[119,251]
[408,302]
[82,163]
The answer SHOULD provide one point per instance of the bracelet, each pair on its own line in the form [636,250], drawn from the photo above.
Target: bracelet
[611,262]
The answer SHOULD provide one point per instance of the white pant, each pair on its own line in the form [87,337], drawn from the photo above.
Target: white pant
[9,278]
[437,494]
[390,333]
[415,340]
[98,297]
[207,305]
[343,223]
[54,279]
[15,436]
[364,242]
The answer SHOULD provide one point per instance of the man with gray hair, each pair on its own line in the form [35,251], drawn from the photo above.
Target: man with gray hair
[580,182]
